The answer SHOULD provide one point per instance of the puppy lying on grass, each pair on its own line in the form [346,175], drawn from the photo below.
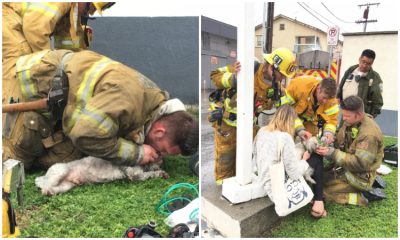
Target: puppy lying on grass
[61,177]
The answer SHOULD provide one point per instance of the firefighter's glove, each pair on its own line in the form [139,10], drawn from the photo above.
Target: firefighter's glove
[216,114]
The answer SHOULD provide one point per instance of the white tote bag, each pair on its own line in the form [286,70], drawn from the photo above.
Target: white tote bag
[288,194]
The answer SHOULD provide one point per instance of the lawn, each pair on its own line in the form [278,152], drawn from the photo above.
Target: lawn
[378,220]
[99,210]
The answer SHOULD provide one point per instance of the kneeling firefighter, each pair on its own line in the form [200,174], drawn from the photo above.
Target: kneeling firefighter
[278,65]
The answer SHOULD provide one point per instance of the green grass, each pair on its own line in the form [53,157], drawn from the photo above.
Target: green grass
[98,210]
[378,220]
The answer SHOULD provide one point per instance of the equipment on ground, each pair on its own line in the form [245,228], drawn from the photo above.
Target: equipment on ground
[13,180]
[177,197]
[183,231]
[144,231]
[391,155]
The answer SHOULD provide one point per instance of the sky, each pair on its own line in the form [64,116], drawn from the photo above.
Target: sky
[228,11]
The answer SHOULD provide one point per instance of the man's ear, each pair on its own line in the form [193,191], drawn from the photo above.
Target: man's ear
[159,130]
[319,88]
[270,67]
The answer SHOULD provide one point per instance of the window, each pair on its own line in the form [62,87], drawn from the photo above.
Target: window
[307,43]
[281,26]
[259,41]
[205,39]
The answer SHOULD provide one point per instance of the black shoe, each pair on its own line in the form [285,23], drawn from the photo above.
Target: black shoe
[379,182]
[374,195]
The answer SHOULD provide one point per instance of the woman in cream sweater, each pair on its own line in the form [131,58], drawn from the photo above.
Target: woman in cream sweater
[265,151]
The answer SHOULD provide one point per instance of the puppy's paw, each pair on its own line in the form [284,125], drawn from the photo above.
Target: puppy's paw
[307,175]
[164,175]
[48,192]
[133,177]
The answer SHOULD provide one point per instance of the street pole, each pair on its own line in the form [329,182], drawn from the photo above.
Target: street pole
[330,59]
[245,96]
[269,27]
[365,15]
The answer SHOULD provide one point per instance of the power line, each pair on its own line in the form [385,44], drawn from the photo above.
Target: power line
[334,14]
[318,13]
[313,15]
[333,24]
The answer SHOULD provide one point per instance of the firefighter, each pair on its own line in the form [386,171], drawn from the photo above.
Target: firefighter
[110,111]
[27,28]
[358,153]
[363,81]
[316,106]
[278,65]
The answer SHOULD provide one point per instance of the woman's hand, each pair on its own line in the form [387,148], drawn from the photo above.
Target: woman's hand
[306,155]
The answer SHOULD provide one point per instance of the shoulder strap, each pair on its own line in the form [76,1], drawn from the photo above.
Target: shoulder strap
[280,146]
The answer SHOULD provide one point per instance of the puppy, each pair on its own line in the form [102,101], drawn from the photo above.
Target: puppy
[310,145]
[61,177]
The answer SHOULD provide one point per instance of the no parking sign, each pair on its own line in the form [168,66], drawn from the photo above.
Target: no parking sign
[333,35]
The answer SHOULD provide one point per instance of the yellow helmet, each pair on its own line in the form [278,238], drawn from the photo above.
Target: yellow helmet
[101,6]
[283,60]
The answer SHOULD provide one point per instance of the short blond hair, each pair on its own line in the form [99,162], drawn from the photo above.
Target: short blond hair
[283,120]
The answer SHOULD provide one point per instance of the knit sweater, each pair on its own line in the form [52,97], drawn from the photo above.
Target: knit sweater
[265,152]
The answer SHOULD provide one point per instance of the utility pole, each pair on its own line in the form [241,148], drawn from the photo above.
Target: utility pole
[269,27]
[365,15]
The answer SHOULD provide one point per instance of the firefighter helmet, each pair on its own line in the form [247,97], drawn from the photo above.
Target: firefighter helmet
[101,6]
[283,60]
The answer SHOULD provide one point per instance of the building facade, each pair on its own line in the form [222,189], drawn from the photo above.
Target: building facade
[218,47]
[297,36]
[165,49]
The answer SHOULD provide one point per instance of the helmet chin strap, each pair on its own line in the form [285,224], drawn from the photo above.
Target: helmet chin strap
[84,20]
[275,86]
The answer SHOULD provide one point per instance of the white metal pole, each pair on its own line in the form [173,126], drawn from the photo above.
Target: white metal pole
[245,88]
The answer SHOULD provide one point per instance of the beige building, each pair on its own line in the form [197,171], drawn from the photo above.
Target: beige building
[292,34]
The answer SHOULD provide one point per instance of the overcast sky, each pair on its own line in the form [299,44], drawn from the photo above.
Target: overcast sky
[346,12]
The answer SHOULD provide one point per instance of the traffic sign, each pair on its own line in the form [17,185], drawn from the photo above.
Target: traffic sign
[333,35]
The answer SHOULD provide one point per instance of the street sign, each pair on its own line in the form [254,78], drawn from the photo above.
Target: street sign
[333,36]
